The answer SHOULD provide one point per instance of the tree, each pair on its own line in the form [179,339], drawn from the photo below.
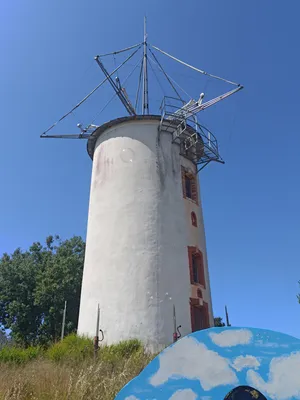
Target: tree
[218,322]
[34,285]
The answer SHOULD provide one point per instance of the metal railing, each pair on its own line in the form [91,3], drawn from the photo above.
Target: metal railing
[196,141]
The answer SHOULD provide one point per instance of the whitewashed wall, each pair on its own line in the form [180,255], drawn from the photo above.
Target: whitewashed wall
[196,237]
[137,238]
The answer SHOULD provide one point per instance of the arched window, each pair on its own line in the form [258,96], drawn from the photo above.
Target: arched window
[194,219]
[189,185]
[196,266]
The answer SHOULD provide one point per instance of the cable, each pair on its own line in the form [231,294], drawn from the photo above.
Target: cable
[194,68]
[171,79]
[93,91]
[120,51]
[161,68]
[160,85]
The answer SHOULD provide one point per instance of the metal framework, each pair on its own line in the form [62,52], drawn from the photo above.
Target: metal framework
[117,88]
[196,142]
[177,116]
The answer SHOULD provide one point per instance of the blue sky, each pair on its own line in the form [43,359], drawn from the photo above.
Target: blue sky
[251,204]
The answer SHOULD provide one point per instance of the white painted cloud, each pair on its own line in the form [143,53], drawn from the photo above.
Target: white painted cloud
[185,394]
[232,337]
[284,378]
[242,362]
[272,353]
[191,359]
[131,398]
[262,343]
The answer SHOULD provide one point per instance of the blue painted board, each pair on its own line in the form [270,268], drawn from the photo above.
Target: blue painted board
[209,364]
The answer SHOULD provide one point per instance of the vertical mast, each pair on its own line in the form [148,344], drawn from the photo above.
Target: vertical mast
[145,105]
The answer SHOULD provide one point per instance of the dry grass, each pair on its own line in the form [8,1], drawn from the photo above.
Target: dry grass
[45,380]
[72,379]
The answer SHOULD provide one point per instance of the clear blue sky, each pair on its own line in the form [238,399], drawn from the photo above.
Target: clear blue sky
[251,204]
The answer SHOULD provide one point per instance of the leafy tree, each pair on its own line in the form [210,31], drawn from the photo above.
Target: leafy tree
[34,285]
[218,322]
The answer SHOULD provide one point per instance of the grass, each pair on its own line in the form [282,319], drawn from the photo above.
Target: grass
[68,371]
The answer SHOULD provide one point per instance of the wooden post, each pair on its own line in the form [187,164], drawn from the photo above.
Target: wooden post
[63,322]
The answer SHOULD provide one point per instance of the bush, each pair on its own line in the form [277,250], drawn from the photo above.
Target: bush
[122,350]
[17,355]
[71,348]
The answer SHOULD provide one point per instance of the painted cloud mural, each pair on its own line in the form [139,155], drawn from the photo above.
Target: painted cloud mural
[210,363]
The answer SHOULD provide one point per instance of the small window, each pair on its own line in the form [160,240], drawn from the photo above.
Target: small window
[194,219]
[189,185]
[195,268]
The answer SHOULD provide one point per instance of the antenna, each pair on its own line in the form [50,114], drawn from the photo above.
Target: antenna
[145,105]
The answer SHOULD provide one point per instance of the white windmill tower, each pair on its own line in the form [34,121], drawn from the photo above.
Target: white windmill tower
[145,246]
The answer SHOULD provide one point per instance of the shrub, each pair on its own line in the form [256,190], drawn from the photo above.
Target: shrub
[17,355]
[122,350]
[71,348]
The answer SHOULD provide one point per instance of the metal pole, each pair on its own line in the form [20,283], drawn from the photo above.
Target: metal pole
[227,317]
[96,338]
[145,105]
[175,325]
[63,322]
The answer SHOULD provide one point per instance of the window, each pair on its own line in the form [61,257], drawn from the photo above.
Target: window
[189,185]
[194,219]
[196,266]
[199,316]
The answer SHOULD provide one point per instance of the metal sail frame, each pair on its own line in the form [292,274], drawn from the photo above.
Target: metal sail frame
[189,109]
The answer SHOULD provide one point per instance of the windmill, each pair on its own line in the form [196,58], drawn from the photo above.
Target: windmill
[145,227]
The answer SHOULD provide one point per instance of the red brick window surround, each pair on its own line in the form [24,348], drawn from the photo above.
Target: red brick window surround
[196,266]
[199,315]
[189,185]
[194,219]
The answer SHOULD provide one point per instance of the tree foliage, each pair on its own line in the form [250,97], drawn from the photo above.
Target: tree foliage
[218,322]
[34,285]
